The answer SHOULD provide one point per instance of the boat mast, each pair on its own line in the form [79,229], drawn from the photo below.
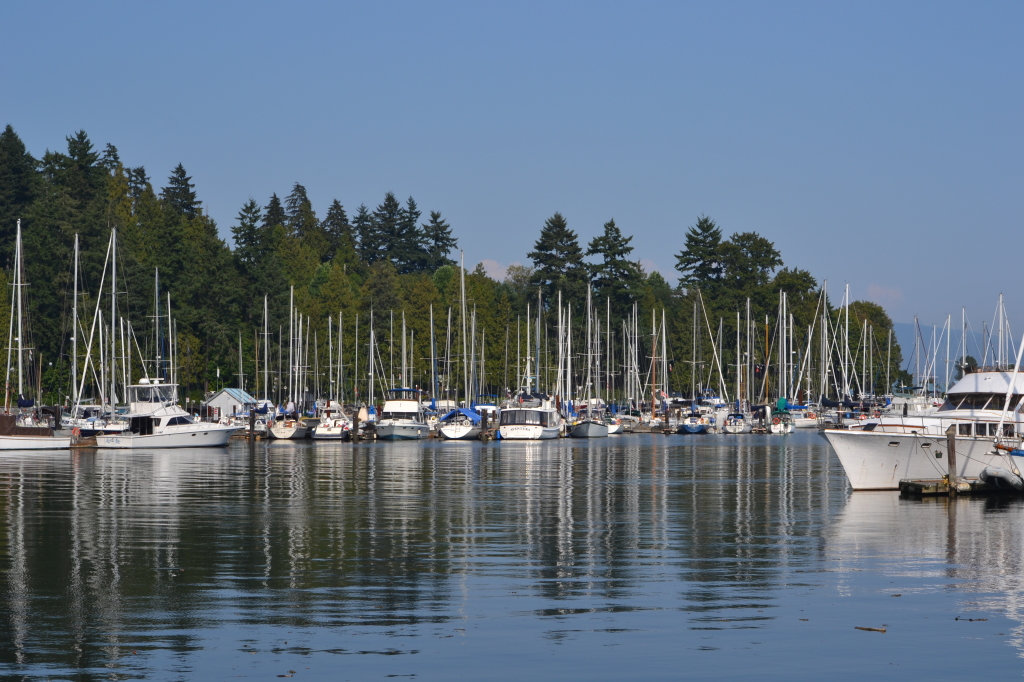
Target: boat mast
[266,351]
[433,361]
[18,275]
[113,319]
[537,335]
[74,331]
[462,315]
[291,344]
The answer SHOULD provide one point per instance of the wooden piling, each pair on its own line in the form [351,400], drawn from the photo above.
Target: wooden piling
[951,459]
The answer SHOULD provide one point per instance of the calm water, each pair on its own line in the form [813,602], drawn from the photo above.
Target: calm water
[640,557]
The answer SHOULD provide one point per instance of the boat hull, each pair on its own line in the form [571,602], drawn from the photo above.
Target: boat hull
[737,428]
[330,433]
[214,436]
[692,428]
[875,460]
[589,429]
[614,429]
[460,432]
[34,443]
[293,431]
[528,432]
[401,431]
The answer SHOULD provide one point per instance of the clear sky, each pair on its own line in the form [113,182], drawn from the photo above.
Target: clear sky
[878,144]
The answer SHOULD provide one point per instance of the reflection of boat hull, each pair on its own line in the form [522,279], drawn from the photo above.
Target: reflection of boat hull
[34,443]
[460,431]
[528,432]
[388,430]
[589,429]
[875,460]
[211,435]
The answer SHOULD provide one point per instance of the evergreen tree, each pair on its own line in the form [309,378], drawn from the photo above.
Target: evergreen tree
[110,158]
[303,223]
[407,248]
[558,261]
[247,234]
[437,235]
[365,229]
[274,214]
[340,235]
[19,185]
[179,196]
[385,230]
[615,276]
[700,262]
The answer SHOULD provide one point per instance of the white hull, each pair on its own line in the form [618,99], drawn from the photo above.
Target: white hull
[294,431]
[34,443]
[781,428]
[211,435]
[737,428]
[615,429]
[400,431]
[528,432]
[460,432]
[329,433]
[876,460]
[589,429]
[805,423]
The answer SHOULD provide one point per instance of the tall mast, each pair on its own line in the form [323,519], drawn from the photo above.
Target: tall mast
[537,334]
[433,361]
[18,284]
[74,331]
[405,366]
[113,319]
[291,344]
[266,350]
[462,314]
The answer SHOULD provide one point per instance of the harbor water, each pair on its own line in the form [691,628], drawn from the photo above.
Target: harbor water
[630,557]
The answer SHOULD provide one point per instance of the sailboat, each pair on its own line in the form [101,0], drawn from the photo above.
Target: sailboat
[22,431]
[288,426]
[592,425]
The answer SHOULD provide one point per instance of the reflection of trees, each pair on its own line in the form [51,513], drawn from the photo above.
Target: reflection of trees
[107,552]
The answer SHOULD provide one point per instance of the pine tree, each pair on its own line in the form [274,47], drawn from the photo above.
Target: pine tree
[274,214]
[700,262]
[366,232]
[340,235]
[246,232]
[179,196]
[437,235]
[110,158]
[385,231]
[616,276]
[558,261]
[407,248]
[19,185]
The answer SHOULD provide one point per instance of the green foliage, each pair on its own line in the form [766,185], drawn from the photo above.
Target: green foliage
[179,195]
[558,262]
[615,277]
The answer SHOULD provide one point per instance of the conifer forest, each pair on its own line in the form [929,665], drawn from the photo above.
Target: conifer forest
[389,260]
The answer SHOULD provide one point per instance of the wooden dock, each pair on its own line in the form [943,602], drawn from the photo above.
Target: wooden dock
[940,487]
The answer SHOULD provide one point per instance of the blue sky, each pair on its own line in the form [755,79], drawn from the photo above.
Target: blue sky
[878,144]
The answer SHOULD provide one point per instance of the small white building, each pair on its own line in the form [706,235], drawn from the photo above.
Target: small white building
[228,402]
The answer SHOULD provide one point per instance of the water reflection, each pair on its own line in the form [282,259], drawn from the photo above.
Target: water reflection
[161,564]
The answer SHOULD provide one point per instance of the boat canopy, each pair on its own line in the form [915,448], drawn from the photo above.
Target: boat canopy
[470,414]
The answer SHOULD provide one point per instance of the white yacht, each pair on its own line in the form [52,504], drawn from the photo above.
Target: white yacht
[21,432]
[533,417]
[893,447]
[156,421]
[402,417]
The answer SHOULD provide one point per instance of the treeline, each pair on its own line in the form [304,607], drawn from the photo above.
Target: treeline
[389,259]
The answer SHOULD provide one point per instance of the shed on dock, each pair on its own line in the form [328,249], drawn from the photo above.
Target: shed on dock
[228,402]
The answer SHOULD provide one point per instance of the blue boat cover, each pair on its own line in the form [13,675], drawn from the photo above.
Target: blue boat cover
[473,416]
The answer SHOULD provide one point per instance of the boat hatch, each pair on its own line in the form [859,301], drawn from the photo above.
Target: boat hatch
[894,444]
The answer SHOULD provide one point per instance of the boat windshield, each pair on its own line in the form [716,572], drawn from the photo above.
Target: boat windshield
[979,401]
[412,416]
[530,417]
[151,394]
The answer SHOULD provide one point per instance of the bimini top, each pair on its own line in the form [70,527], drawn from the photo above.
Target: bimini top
[399,391]
[473,416]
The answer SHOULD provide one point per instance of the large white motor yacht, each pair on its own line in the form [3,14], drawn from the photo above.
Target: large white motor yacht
[892,448]
[156,421]
[402,417]
[530,417]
